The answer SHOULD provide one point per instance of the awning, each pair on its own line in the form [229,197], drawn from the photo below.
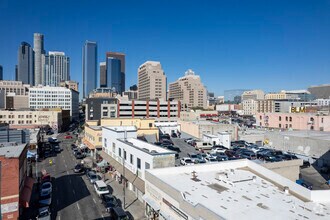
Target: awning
[151,203]
[26,192]
[129,175]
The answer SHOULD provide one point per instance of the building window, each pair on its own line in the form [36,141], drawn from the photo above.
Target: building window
[290,119]
[280,118]
[119,152]
[113,147]
[321,120]
[124,155]
[150,125]
[279,125]
[138,163]
[131,159]
[260,117]
[286,118]
[147,166]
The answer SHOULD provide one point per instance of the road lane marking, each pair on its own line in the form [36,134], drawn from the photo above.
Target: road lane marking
[94,200]
[78,206]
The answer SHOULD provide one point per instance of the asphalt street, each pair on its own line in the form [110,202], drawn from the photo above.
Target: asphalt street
[73,196]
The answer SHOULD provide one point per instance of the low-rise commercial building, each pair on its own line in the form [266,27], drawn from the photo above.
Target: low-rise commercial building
[130,157]
[13,135]
[297,120]
[250,107]
[15,186]
[199,115]
[70,84]
[238,189]
[46,97]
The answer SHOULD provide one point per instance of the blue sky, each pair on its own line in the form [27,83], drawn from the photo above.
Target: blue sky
[269,45]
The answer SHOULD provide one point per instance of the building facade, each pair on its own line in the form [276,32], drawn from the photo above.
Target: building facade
[46,97]
[121,57]
[16,87]
[253,94]
[103,74]
[189,90]
[323,102]
[70,85]
[320,91]
[38,47]
[25,65]
[56,68]
[89,67]
[130,157]
[151,81]
[114,74]
[16,187]
[250,107]
[294,121]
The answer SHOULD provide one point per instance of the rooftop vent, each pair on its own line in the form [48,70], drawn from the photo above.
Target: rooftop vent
[254,179]
[286,190]
[153,151]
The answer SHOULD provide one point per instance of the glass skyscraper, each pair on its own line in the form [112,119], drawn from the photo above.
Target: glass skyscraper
[121,57]
[114,75]
[89,68]
[56,68]
[25,66]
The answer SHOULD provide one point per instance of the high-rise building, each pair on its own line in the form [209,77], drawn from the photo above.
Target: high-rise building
[89,68]
[56,68]
[189,90]
[103,74]
[114,75]
[25,68]
[1,73]
[38,47]
[151,81]
[121,57]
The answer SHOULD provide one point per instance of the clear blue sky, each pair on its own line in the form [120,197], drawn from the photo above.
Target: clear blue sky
[270,45]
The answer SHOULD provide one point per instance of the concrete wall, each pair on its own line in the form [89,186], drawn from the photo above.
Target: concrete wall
[289,169]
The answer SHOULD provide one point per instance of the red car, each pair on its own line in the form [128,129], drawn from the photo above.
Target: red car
[68,137]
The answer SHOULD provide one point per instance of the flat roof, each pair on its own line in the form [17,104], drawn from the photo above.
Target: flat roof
[120,128]
[231,190]
[95,127]
[11,149]
[319,135]
[146,147]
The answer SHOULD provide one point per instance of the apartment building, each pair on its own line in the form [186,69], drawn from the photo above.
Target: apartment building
[189,90]
[151,81]
[253,94]
[131,157]
[46,97]
[250,106]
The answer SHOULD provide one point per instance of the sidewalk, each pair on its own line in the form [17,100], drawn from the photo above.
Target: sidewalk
[133,205]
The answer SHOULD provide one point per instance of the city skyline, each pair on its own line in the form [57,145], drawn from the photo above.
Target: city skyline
[239,44]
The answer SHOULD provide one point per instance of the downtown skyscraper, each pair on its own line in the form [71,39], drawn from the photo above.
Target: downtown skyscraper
[56,68]
[25,66]
[38,47]
[121,57]
[89,67]
[114,76]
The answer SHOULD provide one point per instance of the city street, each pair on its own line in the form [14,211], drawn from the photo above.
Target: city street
[73,196]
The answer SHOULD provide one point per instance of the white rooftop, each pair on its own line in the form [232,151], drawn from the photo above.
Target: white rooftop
[151,148]
[232,190]
[121,128]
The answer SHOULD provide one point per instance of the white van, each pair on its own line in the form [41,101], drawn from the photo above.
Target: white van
[101,187]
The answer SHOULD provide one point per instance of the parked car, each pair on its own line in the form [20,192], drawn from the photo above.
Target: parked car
[49,132]
[304,184]
[211,160]
[158,143]
[68,137]
[218,150]
[109,201]
[164,136]
[288,157]
[174,135]
[194,158]
[100,187]
[270,158]
[186,161]
[44,213]
[248,155]
[305,164]
[73,146]
[221,156]
[52,140]
[166,142]
[187,139]
[91,175]
[46,187]
[231,154]
[57,149]
[201,158]
[45,198]
[78,168]
[117,213]
[79,155]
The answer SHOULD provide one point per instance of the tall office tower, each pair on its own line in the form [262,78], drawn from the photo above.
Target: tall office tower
[103,74]
[56,67]
[1,73]
[89,67]
[151,81]
[121,57]
[16,72]
[38,47]
[25,70]
[190,90]
[114,74]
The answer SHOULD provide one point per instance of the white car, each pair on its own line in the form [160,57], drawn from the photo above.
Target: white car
[101,188]
[218,150]
[186,161]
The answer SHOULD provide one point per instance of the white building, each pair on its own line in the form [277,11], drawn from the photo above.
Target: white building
[55,67]
[45,97]
[133,154]
[323,102]
[221,138]
[238,189]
